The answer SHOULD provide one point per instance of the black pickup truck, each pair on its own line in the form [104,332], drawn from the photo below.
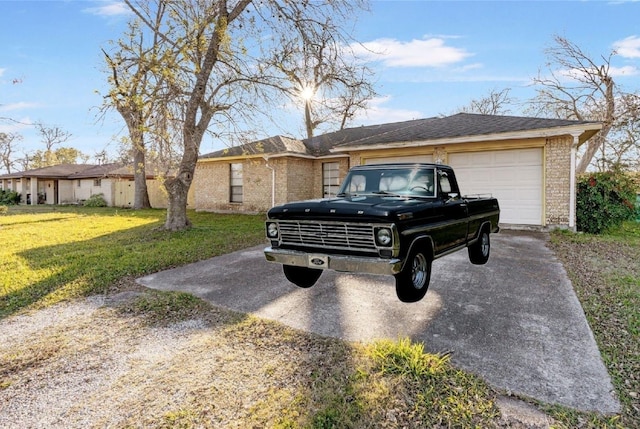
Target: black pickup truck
[390,219]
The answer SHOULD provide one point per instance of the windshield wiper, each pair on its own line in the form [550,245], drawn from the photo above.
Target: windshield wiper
[387,193]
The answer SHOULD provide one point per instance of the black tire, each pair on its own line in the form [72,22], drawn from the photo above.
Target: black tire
[301,276]
[479,251]
[413,281]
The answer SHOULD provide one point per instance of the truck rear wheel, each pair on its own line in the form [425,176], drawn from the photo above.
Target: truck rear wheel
[301,276]
[413,281]
[479,251]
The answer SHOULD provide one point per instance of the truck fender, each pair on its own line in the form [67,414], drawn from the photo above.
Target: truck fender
[487,225]
[424,242]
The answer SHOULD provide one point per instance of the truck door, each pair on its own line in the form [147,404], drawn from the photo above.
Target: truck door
[455,210]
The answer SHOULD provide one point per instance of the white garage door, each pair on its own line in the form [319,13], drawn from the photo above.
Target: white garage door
[512,176]
[414,158]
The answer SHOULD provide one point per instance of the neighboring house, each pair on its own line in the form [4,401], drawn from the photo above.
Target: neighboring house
[527,163]
[75,183]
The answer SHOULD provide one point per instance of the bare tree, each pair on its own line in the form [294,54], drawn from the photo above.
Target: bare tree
[621,149]
[52,136]
[578,87]
[220,73]
[7,149]
[323,72]
[497,102]
[137,71]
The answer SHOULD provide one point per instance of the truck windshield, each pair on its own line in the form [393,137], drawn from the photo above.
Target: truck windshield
[406,182]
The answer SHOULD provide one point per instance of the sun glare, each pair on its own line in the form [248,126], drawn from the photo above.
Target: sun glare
[307,93]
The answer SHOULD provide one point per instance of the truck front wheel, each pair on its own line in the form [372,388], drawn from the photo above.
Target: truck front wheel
[301,276]
[479,251]
[413,281]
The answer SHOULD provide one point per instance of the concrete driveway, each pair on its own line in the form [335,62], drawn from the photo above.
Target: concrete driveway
[514,321]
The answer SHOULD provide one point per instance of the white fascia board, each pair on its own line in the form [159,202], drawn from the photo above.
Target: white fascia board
[304,156]
[529,134]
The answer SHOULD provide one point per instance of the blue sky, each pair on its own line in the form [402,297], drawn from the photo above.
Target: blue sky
[439,55]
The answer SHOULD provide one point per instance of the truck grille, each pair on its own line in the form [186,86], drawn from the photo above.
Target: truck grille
[357,237]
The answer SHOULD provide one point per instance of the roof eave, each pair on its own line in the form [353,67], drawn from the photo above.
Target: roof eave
[241,157]
[584,131]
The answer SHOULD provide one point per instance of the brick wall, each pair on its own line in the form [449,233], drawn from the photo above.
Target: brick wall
[557,180]
[300,179]
[296,179]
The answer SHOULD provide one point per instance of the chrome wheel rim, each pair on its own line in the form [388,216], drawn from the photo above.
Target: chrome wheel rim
[485,244]
[419,271]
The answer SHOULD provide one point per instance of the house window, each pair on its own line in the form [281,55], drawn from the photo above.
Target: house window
[97,182]
[330,178]
[235,183]
[79,183]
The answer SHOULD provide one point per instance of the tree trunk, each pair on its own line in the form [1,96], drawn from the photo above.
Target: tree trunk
[178,187]
[177,191]
[141,193]
[607,123]
[134,122]
[592,147]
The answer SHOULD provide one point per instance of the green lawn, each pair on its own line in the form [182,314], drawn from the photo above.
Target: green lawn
[51,254]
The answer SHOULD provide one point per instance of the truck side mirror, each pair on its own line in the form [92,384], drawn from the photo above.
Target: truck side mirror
[452,196]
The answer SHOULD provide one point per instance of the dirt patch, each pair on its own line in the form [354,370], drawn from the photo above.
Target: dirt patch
[97,363]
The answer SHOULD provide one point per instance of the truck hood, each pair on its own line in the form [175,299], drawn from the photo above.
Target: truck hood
[362,207]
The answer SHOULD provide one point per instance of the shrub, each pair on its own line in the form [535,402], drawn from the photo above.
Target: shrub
[604,200]
[96,200]
[3,209]
[8,197]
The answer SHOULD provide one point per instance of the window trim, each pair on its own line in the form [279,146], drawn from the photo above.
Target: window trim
[327,188]
[235,177]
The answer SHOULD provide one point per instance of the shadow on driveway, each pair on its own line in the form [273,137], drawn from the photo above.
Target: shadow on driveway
[515,321]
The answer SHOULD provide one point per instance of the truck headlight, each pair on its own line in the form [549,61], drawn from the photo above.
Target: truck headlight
[384,237]
[272,230]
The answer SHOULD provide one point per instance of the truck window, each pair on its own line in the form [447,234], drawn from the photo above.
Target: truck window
[445,184]
[358,183]
[393,183]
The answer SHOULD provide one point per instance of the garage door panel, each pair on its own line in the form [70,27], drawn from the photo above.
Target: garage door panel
[512,176]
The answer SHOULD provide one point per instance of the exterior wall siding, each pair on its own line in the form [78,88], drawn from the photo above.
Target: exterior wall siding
[296,179]
[211,185]
[300,179]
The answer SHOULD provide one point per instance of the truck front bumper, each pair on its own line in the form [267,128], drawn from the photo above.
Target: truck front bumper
[344,263]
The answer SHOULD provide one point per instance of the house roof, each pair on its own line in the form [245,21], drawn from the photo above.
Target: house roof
[271,145]
[96,171]
[60,171]
[471,127]
[113,169]
[461,126]
[77,171]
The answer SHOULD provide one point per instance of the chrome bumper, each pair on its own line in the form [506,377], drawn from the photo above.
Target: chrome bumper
[345,263]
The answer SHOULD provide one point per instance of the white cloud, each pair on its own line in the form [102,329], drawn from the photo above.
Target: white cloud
[431,52]
[2,72]
[16,106]
[568,75]
[377,113]
[624,71]
[109,9]
[628,47]
[468,67]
